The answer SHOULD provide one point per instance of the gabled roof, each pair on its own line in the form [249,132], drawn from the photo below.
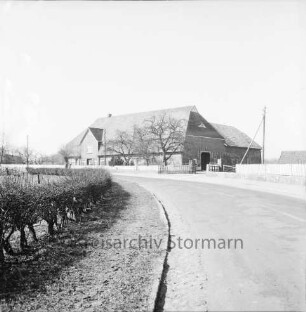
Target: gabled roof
[234,137]
[292,157]
[197,125]
[127,122]
[97,133]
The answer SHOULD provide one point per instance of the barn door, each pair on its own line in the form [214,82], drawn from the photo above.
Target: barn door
[205,160]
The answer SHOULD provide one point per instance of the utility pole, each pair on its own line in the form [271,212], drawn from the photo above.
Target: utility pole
[2,149]
[263,134]
[263,123]
[27,151]
[105,147]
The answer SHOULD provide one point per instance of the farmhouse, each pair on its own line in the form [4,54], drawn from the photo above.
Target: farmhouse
[205,142]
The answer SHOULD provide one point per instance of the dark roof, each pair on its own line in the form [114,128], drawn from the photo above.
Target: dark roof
[234,137]
[199,126]
[97,133]
[292,157]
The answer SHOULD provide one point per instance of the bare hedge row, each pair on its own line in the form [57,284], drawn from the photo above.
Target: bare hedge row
[56,171]
[9,171]
[24,203]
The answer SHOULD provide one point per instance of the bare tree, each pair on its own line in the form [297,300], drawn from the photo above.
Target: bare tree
[168,133]
[122,144]
[66,152]
[144,143]
[27,154]
[3,148]
[56,159]
[2,152]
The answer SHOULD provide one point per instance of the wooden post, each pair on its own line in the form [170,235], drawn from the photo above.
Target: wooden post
[27,151]
[264,134]
[262,121]
[105,147]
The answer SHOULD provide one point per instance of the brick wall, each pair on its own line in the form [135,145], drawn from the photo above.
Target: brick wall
[234,155]
[206,138]
[195,145]
[201,137]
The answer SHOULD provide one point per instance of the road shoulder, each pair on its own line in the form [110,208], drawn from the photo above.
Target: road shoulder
[281,189]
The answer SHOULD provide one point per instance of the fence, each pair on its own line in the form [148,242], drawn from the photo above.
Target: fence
[153,168]
[227,168]
[213,167]
[23,168]
[296,170]
[177,169]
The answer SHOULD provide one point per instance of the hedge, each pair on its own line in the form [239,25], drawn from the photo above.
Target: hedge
[24,203]
[58,171]
[10,171]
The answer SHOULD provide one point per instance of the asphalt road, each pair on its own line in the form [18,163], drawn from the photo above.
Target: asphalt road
[267,274]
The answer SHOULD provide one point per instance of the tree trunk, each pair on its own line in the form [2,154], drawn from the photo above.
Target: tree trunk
[31,229]
[1,244]
[6,243]
[50,228]
[23,240]
[165,159]
[1,253]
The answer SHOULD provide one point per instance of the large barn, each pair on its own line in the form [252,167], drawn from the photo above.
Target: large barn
[207,143]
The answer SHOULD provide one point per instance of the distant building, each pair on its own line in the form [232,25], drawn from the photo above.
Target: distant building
[11,159]
[206,142]
[292,157]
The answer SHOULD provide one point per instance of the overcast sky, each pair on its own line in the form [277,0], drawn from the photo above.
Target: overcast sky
[65,64]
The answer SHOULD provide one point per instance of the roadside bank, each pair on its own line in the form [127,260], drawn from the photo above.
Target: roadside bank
[108,278]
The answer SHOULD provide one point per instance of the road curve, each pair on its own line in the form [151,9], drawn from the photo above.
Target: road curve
[267,273]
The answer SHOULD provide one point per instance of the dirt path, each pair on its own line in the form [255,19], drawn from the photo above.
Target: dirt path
[106,279]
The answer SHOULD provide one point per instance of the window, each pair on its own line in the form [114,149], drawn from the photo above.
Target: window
[89,149]
[201,125]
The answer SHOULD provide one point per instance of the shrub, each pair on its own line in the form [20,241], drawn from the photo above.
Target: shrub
[23,203]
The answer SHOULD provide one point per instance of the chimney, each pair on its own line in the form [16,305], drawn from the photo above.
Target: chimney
[109,115]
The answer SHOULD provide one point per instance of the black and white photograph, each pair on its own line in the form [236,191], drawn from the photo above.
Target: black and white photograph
[153,156]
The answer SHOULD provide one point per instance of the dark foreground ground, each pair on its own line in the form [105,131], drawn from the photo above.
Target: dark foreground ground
[76,272]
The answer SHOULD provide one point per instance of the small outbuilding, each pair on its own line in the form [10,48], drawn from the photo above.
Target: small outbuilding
[292,157]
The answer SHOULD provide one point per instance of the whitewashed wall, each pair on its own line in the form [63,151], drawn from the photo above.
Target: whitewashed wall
[124,168]
[297,170]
